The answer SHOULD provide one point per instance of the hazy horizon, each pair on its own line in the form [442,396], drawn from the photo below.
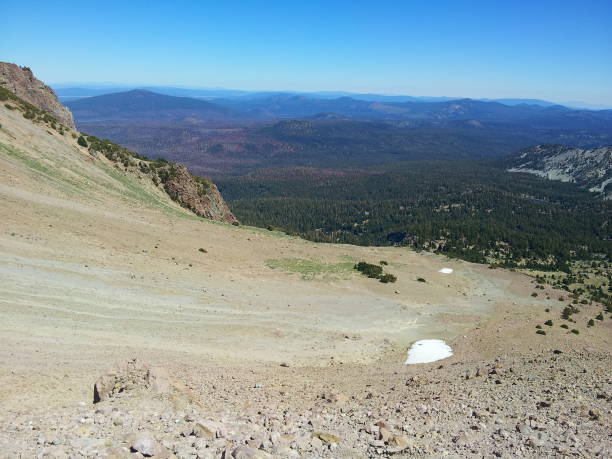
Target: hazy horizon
[338,92]
[553,51]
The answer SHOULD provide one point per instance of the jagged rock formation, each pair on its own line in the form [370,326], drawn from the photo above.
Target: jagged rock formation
[589,169]
[198,194]
[21,82]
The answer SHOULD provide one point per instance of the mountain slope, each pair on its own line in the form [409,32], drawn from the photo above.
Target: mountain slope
[258,344]
[589,169]
[140,104]
[259,333]
[159,180]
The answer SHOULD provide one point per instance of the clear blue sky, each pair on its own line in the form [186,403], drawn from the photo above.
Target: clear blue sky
[556,50]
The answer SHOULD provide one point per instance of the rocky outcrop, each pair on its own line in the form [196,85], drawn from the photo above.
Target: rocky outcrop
[21,82]
[197,194]
[589,169]
[131,375]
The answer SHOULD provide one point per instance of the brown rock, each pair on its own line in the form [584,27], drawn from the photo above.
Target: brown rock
[384,434]
[197,194]
[21,82]
[326,437]
[205,429]
[398,443]
[132,374]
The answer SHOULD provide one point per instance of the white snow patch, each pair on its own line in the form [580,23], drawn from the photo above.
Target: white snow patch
[428,350]
[446,270]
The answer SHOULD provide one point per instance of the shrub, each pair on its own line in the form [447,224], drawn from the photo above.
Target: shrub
[538,326]
[547,310]
[590,323]
[549,323]
[534,294]
[564,326]
[599,316]
[568,311]
[420,279]
[202,250]
[540,332]
[386,278]
[368,269]
[82,142]
[383,262]
[575,332]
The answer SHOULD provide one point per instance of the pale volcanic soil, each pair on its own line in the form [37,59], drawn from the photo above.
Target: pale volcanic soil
[260,358]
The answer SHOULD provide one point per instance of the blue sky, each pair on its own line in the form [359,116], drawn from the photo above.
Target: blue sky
[554,50]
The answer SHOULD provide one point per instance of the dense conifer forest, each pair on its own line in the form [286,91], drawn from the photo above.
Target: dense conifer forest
[467,210]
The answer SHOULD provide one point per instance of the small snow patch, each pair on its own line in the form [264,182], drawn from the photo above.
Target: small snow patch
[428,350]
[446,270]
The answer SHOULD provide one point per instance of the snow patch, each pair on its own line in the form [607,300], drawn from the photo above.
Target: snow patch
[446,270]
[428,350]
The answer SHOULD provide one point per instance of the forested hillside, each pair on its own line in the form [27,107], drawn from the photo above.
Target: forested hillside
[468,210]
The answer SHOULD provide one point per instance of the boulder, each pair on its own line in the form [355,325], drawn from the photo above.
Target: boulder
[246,452]
[130,375]
[145,444]
[206,429]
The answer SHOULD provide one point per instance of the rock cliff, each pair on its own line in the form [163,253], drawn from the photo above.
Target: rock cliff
[197,194]
[21,82]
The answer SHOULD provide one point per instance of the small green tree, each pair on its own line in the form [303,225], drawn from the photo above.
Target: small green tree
[82,142]
[386,278]
[368,269]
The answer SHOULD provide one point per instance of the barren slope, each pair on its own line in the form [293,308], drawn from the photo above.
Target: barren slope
[99,266]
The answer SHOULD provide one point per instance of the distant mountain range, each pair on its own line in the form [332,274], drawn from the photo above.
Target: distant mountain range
[148,105]
[67,92]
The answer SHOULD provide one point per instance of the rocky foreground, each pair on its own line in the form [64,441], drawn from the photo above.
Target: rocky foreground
[552,403]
